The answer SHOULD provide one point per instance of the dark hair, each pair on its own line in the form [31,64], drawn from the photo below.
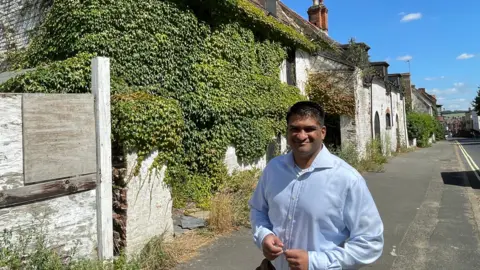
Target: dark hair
[307,109]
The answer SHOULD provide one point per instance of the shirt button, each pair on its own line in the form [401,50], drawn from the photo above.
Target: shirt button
[289,217]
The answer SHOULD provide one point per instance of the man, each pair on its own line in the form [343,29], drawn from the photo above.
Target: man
[311,210]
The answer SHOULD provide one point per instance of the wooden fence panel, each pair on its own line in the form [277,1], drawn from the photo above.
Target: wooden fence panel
[59,136]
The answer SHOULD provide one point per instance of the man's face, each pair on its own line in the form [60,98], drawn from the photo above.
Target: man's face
[305,135]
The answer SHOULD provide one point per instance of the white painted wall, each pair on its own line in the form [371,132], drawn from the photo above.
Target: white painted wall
[67,222]
[394,97]
[363,124]
[380,103]
[233,164]
[283,71]
[302,68]
[11,140]
[149,211]
[400,107]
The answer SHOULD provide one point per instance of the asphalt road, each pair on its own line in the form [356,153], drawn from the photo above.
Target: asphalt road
[428,206]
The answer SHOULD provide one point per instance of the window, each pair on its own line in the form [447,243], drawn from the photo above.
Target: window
[291,71]
[387,119]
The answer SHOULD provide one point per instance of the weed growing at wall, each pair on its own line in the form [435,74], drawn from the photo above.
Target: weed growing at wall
[219,60]
[372,162]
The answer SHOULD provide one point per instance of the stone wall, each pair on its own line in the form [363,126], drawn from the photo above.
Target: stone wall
[67,222]
[233,164]
[18,19]
[347,130]
[419,104]
[400,112]
[363,114]
[302,68]
[380,104]
[149,208]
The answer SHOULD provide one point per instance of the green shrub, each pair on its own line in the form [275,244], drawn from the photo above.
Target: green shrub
[421,126]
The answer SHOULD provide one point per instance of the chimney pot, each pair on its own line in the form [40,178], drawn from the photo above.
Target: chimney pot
[318,15]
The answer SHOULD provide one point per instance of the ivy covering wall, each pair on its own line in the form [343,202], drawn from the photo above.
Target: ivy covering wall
[189,78]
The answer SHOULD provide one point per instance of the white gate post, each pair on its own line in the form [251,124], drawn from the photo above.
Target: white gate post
[101,94]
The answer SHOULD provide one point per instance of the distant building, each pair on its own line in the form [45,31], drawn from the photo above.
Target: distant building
[471,121]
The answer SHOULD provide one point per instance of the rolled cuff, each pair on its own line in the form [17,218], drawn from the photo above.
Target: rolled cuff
[261,234]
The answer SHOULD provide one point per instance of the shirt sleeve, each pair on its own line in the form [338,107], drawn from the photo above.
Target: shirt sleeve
[261,225]
[366,241]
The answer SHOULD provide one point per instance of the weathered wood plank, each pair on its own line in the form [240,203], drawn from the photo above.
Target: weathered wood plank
[59,136]
[101,92]
[47,190]
[11,154]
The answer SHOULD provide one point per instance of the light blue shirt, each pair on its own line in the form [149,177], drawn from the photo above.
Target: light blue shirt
[326,210]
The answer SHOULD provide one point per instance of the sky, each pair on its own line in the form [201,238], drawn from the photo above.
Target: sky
[441,39]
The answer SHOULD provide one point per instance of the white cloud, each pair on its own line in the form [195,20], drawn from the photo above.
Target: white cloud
[434,78]
[459,84]
[453,106]
[411,17]
[458,100]
[464,56]
[448,91]
[456,103]
[405,58]
[387,59]
[401,13]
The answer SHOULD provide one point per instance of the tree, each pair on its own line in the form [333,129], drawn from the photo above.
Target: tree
[476,102]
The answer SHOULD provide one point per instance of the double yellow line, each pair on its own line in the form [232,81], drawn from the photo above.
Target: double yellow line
[469,159]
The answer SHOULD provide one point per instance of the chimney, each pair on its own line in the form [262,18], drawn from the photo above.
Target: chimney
[318,15]
[271,6]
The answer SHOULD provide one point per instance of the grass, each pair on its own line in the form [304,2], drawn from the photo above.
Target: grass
[229,207]
[30,251]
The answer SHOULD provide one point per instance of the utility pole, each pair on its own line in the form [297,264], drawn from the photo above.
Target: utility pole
[409,71]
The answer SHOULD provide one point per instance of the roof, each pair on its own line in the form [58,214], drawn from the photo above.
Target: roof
[385,64]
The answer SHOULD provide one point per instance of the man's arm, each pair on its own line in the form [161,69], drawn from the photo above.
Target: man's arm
[259,220]
[365,244]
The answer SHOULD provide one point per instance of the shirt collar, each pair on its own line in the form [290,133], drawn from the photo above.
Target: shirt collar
[323,160]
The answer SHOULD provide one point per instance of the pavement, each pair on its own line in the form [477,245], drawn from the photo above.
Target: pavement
[427,202]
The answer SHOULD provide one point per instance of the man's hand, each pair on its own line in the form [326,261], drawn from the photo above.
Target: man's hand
[297,259]
[272,247]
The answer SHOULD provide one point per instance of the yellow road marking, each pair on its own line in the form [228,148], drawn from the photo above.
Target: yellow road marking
[469,159]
